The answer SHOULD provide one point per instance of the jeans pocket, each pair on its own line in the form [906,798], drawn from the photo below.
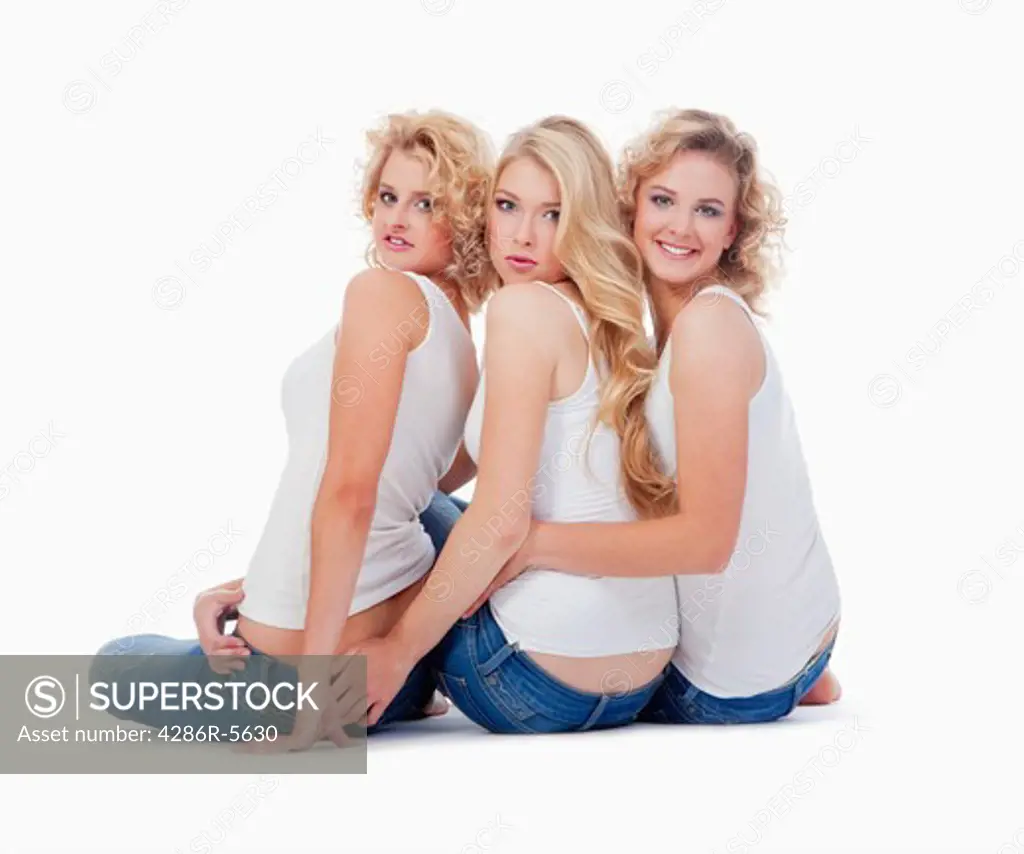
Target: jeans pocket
[457,689]
[504,692]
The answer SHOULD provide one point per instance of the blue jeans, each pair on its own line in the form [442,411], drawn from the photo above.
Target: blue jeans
[158,658]
[499,687]
[440,517]
[679,701]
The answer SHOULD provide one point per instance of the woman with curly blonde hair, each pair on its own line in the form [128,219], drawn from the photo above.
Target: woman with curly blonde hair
[558,430]
[374,411]
[758,599]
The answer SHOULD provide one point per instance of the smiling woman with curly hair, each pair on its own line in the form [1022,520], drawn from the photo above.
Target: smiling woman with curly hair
[753,257]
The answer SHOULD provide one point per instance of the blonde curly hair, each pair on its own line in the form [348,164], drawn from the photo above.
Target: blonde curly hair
[460,162]
[755,257]
[601,260]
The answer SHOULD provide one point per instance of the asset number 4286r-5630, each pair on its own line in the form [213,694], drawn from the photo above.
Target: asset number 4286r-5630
[216,734]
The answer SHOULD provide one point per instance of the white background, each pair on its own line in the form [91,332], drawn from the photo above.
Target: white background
[163,402]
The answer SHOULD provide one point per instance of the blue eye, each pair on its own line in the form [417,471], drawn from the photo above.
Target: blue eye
[661,200]
[504,204]
[708,210]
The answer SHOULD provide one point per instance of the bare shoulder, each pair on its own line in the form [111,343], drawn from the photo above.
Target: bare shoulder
[530,306]
[383,302]
[525,319]
[711,321]
[712,332]
[526,297]
[384,291]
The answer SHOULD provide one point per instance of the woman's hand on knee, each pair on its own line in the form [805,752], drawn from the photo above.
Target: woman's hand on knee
[212,610]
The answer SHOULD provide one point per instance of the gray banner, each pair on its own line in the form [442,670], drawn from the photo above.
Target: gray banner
[172,714]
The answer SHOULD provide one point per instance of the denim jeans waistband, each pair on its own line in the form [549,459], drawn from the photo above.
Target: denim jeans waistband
[494,650]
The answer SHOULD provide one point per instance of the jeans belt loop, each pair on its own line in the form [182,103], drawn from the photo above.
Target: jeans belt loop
[496,660]
[596,714]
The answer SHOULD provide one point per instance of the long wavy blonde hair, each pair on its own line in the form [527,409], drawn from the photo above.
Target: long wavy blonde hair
[600,258]
[755,256]
[460,162]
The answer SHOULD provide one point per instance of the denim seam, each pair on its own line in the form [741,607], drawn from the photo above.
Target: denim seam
[515,718]
[446,679]
[595,714]
[491,695]
[679,704]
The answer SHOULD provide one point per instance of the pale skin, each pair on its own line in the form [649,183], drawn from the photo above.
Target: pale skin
[685,220]
[534,354]
[380,306]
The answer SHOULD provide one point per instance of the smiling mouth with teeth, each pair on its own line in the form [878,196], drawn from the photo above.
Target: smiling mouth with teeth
[678,251]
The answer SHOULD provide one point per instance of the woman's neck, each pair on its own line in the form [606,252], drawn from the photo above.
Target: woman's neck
[667,300]
[454,294]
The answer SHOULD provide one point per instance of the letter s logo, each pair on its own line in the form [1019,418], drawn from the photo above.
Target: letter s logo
[45,696]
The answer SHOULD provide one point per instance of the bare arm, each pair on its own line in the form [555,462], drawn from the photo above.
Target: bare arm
[520,357]
[364,403]
[461,472]
[717,366]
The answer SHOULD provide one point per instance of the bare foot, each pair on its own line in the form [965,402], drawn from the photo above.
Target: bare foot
[826,690]
[437,706]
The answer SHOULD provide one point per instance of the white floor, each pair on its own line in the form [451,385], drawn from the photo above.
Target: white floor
[942,775]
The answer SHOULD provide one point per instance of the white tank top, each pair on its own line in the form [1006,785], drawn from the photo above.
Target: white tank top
[754,626]
[574,615]
[437,389]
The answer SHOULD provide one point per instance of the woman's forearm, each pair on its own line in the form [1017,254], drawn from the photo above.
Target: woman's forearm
[339,530]
[675,545]
[477,548]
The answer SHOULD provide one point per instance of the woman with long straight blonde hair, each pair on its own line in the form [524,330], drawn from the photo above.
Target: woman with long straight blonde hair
[759,602]
[558,431]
